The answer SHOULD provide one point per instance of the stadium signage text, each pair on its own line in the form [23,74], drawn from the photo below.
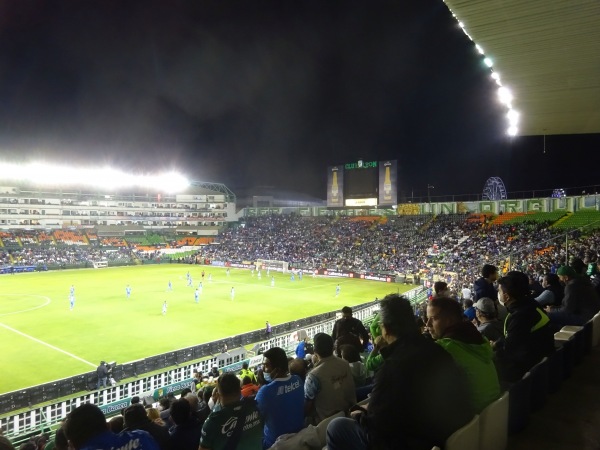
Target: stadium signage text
[345,274]
[361,165]
[116,406]
[175,387]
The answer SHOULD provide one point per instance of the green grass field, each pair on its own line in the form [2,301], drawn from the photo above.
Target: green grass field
[43,340]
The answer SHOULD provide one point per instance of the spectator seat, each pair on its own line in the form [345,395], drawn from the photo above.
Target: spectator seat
[539,384]
[519,404]
[493,424]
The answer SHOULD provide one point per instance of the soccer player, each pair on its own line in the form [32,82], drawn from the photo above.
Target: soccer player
[272,281]
[203,275]
[259,274]
[210,277]
[232,293]
[227,271]
[337,290]
[190,282]
[197,296]
[200,288]
[300,275]
[72,291]
[128,291]
[252,271]
[293,276]
[170,286]
[164,308]
[72,301]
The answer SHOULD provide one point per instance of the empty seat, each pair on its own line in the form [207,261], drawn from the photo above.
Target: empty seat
[493,424]
[596,330]
[556,370]
[519,404]
[465,438]
[539,384]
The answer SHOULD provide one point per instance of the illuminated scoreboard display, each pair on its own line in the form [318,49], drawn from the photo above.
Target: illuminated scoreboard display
[363,183]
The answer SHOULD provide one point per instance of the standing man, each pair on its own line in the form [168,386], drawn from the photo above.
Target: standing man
[337,290]
[102,373]
[170,286]
[272,281]
[128,291]
[484,286]
[348,324]
[268,330]
[164,308]
[197,295]
[72,301]
[232,293]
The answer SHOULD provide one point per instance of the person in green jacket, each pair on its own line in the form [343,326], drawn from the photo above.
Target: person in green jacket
[471,351]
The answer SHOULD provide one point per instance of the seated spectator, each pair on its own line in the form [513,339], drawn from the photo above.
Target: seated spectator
[86,428]
[535,288]
[246,372]
[329,386]
[299,367]
[357,368]
[346,338]
[281,401]
[116,424]
[185,435]
[489,325]
[553,292]
[154,416]
[467,346]
[375,359]
[236,424]
[164,405]
[136,419]
[249,389]
[440,289]
[528,336]
[580,303]
[5,444]
[301,348]
[469,312]
[419,397]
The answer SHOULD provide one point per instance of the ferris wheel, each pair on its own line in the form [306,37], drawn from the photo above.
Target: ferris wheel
[494,189]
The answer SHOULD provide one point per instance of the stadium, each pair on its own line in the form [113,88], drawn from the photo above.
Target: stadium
[158,278]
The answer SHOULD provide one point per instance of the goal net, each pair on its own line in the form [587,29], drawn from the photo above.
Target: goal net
[271,264]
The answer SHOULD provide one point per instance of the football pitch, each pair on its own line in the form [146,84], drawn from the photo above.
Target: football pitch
[43,339]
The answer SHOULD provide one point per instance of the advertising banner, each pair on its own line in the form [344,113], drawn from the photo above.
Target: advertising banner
[335,186]
[388,183]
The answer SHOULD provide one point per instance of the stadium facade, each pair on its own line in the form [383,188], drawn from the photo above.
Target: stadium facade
[202,209]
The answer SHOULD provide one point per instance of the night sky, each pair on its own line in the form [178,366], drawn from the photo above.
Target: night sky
[265,93]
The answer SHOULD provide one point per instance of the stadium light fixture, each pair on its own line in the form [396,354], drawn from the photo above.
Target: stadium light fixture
[105,178]
[504,93]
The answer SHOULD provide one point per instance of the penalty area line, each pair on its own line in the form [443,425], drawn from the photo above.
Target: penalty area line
[48,345]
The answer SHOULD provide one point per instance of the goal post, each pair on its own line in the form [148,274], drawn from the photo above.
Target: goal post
[272,264]
[100,264]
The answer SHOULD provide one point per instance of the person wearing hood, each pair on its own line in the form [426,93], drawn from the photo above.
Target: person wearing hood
[470,350]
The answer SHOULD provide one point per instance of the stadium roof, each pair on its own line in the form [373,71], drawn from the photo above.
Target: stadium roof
[548,53]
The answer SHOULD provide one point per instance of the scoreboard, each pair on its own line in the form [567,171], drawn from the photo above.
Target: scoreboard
[363,183]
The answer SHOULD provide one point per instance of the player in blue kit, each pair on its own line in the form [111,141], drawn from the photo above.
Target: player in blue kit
[128,291]
[197,296]
[337,290]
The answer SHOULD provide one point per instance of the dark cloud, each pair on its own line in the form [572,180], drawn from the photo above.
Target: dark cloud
[250,93]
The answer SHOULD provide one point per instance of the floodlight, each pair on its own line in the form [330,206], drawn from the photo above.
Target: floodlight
[505,95]
[495,76]
[513,117]
[479,49]
[512,130]
[488,62]
[460,24]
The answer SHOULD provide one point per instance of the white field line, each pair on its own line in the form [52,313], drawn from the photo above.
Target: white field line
[36,339]
[25,310]
[268,284]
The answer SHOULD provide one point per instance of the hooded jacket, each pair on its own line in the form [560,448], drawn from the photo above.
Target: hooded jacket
[475,356]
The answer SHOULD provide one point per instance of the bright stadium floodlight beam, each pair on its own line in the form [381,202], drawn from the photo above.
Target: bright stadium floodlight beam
[505,95]
[488,62]
[479,49]
[512,131]
[513,117]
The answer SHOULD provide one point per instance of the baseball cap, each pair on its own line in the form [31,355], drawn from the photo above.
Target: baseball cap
[485,305]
